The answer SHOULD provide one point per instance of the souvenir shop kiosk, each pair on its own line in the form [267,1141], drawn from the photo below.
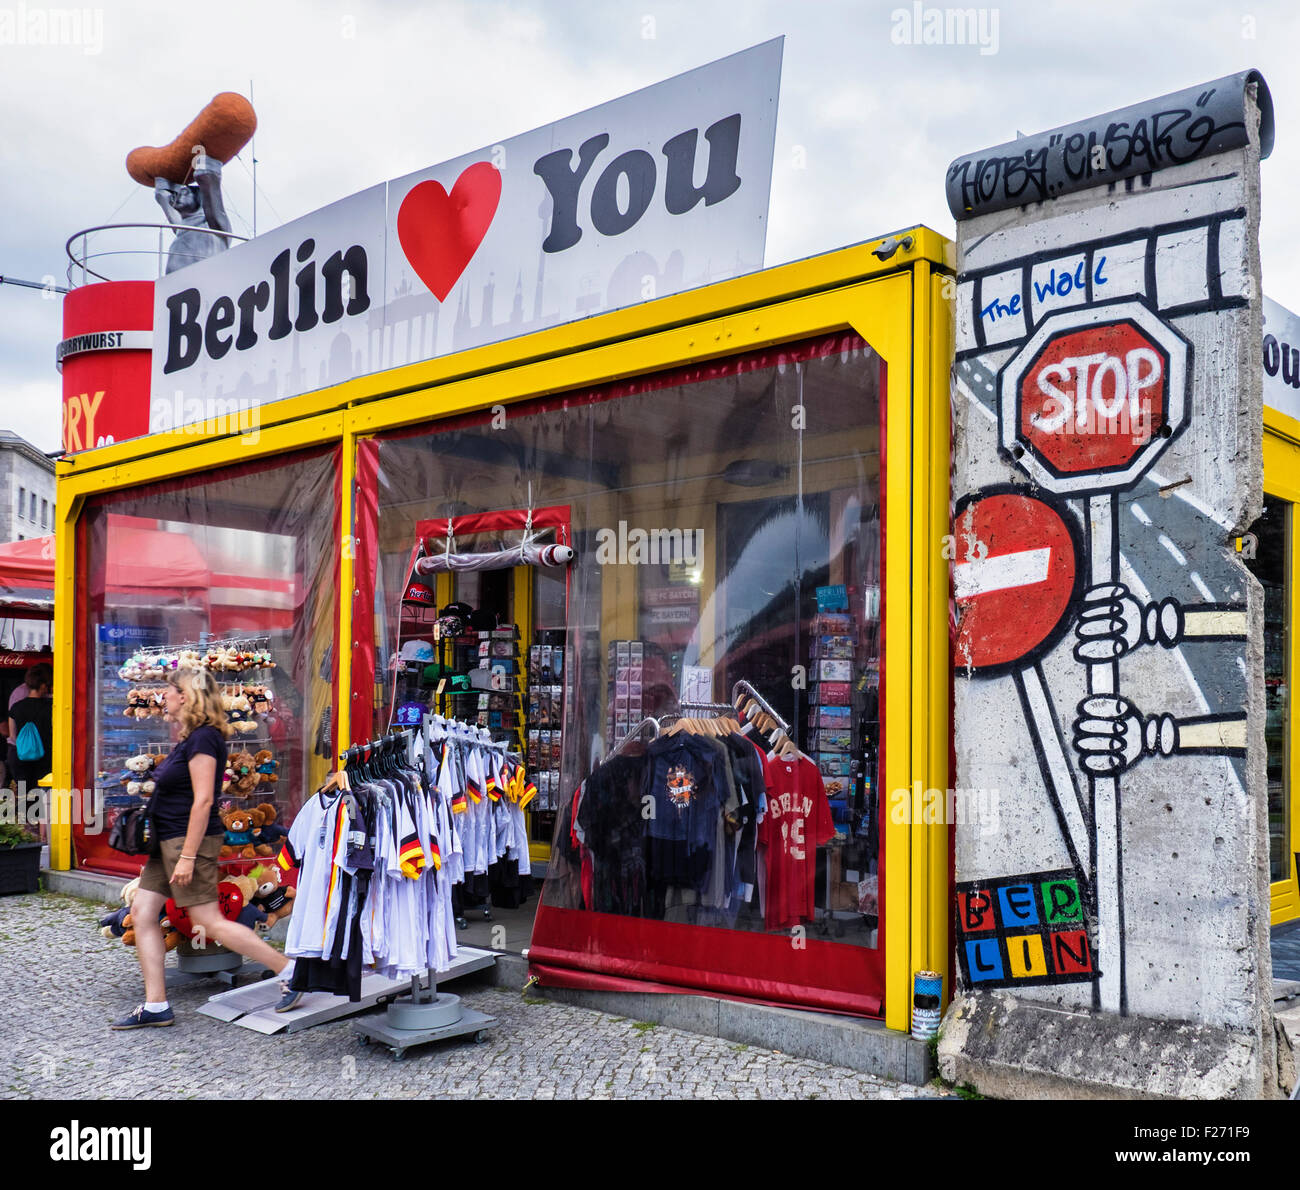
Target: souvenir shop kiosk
[752,478]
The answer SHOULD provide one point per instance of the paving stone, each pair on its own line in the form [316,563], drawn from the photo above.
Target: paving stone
[70,983]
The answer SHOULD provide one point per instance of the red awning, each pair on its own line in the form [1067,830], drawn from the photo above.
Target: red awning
[140,561]
[27,577]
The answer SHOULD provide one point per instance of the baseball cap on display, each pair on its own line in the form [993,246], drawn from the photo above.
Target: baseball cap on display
[419,593]
[417,650]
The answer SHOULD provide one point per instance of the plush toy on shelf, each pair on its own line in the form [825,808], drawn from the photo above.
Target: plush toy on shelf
[136,777]
[266,766]
[242,775]
[268,835]
[272,895]
[238,839]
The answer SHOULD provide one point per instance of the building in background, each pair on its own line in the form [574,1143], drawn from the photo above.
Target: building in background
[26,511]
[27,481]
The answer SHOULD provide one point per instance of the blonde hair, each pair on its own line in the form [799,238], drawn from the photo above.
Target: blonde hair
[202,706]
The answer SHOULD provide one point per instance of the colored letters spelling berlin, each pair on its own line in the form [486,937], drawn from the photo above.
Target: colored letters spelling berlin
[188,336]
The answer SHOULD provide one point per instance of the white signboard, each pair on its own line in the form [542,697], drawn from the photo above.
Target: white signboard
[1281,359]
[659,191]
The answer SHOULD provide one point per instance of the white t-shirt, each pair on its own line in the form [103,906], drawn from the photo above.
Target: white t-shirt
[318,843]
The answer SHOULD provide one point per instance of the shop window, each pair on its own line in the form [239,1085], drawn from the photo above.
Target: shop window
[726,525]
[236,570]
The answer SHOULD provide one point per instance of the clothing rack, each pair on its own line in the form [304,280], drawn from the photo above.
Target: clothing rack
[743,687]
[424,1014]
[648,721]
[721,708]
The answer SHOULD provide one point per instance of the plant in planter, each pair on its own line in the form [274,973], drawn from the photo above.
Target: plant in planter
[20,859]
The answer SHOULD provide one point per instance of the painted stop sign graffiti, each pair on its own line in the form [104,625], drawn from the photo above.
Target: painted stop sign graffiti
[1094,396]
[1016,573]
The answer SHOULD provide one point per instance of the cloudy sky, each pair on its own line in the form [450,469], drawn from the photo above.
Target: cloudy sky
[353,92]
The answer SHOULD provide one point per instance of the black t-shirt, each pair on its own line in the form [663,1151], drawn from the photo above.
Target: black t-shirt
[173,791]
[39,711]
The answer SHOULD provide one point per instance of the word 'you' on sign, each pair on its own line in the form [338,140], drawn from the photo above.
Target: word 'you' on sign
[652,193]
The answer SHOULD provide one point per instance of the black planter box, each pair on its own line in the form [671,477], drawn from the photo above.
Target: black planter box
[20,868]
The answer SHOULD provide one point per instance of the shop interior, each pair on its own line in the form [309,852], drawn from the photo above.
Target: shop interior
[235,572]
[726,527]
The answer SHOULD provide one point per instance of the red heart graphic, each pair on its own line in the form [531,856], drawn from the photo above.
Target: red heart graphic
[440,232]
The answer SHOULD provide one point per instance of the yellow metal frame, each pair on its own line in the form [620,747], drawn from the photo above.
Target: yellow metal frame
[899,305]
[1282,479]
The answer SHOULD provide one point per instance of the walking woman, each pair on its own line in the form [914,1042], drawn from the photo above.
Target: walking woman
[188,835]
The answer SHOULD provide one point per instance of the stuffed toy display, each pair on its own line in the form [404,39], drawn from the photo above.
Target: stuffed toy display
[272,896]
[268,835]
[238,840]
[266,767]
[151,666]
[136,775]
[242,777]
[119,923]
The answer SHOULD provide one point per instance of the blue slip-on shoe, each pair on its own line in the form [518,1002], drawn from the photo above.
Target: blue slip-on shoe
[288,998]
[142,1018]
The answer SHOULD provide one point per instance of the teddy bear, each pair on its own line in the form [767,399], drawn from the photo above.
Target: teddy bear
[240,713]
[238,840]
[111,925]
[272,896]
[266,765]
[119,923]
[268,835]
[136,778]
[244,777]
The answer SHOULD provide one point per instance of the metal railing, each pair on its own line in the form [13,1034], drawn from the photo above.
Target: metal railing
[79,261]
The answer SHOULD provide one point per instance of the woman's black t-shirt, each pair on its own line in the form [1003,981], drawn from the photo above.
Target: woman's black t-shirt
[39,711]
[173,790]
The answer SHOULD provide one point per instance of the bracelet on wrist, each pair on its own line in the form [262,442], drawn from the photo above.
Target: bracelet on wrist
[189,857]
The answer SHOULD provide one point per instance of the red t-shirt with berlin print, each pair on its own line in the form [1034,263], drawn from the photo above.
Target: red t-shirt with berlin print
[797,822]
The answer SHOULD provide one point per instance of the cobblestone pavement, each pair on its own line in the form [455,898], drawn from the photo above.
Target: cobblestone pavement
[62,983]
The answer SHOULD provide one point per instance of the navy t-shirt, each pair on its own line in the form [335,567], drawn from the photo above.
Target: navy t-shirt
[173,790]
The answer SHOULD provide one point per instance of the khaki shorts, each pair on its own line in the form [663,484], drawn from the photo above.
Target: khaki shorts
[156,875]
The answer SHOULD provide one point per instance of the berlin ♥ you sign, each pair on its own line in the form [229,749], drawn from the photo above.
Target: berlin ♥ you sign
[659,191]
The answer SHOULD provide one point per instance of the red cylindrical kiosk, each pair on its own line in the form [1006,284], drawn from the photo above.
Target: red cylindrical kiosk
[106,356]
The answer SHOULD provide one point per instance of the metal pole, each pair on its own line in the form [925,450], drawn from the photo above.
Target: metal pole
[1103,680]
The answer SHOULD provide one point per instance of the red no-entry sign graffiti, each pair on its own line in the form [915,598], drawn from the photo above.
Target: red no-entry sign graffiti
[1016,574]
[1094,396]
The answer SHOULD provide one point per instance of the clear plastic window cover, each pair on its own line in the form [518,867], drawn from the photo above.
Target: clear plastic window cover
[726,525]
[233,566]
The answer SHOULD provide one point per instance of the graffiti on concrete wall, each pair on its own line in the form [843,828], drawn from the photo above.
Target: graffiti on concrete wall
[1089,544]
[1136,141]
[1019,931]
